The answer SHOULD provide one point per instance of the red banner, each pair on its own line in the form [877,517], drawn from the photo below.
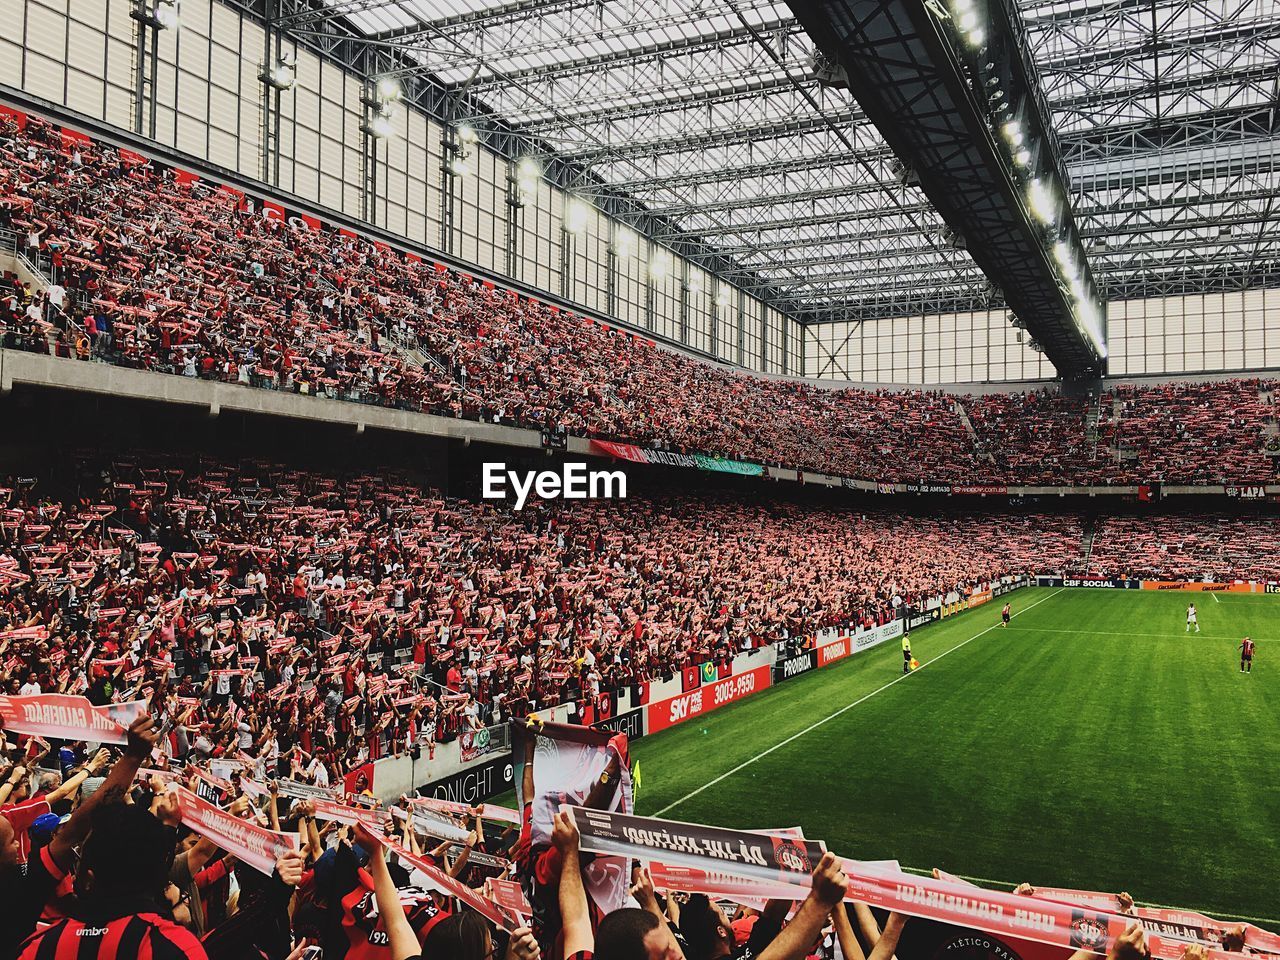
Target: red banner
[341,813]
[623,451]
[978,598]
[69,718]
[1163,921]
[358,780]
[508,895]
[490,909]
[255,845]
[831,652]
[1193,586]
[789,861]
[667,713]
[717,884]
[491,811]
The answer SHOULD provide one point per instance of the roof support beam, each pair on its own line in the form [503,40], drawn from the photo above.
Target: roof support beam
[716,137]
[626,55]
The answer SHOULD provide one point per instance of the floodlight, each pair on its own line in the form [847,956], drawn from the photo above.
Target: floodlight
[282,76]
[389,89]
[166,14]
[1040,198]
[379,126]
[624,242]
[575,216]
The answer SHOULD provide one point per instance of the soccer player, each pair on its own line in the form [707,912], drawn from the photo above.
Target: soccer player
[1246,656]
[906,653]
[1191,618]
[1004,615]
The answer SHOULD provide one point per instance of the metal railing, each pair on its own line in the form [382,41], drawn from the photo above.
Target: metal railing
[11,243]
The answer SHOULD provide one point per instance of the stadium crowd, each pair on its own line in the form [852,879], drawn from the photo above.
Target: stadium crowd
[288,627]
[324,621]
[1209,547]
[116,871]
[156,270]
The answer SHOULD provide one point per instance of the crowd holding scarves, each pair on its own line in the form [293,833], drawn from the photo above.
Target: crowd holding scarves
[146,866]
[161,270]
[200,662]
[255,623]
[315,622]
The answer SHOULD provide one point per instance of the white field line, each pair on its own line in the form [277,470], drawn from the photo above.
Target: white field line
[847,707]
[1215,597]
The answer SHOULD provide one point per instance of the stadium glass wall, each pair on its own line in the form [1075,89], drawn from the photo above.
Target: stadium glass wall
[1211,333]
[210,105]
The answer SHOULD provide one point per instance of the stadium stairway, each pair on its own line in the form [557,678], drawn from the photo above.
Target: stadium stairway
[13,262]
[963,414]
[1270,429]
[1088,532]
[1117,414]
[1091,418]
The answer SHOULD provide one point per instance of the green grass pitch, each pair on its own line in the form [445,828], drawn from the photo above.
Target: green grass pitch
[1091,744]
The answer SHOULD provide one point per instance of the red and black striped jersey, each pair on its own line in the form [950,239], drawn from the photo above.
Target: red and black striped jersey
[364,931]
[136,936]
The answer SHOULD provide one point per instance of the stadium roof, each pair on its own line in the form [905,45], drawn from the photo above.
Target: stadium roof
[718,119]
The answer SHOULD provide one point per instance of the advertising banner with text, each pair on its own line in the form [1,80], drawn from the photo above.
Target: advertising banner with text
[686,706]
[1100,583]
[1196,586]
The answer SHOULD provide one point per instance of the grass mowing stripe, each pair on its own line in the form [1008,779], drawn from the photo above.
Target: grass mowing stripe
[1159,636]
[846,708]
[1084,760]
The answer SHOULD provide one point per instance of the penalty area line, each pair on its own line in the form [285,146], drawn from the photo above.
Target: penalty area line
[847,707]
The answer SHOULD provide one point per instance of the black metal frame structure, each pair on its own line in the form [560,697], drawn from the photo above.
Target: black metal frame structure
[717,127]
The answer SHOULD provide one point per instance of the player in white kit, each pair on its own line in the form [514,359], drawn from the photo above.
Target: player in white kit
[1191,618]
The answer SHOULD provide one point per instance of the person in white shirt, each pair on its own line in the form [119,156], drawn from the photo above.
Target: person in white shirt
[245,733]
[256,581]
[55,296]
[318,773]
[31,688]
